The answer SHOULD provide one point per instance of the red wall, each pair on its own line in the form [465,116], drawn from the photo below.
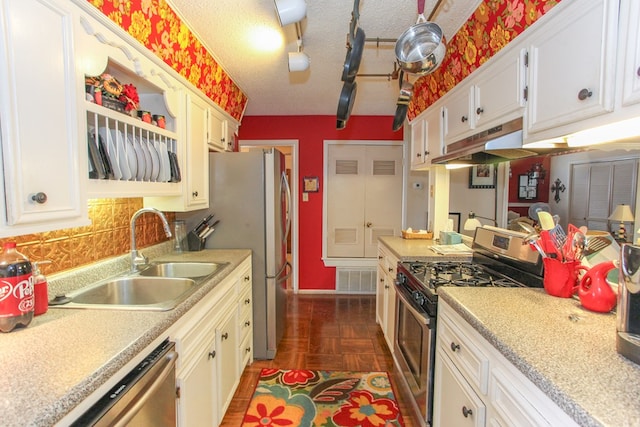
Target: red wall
[520,167]
[312,131]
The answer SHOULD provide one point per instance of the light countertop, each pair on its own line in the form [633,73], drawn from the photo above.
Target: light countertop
[565,350]
[51,366]
[416,249]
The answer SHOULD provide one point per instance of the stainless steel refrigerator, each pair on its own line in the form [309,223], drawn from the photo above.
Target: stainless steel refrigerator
[249,195]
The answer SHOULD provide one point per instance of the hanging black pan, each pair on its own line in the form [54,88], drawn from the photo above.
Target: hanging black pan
[355,46]
[402,105]
[345,104]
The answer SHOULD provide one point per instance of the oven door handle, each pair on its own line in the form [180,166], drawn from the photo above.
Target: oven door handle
[422,317]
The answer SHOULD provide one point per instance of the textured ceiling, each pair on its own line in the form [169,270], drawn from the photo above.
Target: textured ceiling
[224,27]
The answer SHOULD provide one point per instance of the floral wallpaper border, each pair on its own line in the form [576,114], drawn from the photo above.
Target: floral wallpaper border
[154,24]
[492,26]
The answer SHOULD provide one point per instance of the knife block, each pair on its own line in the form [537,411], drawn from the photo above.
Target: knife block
[195,242]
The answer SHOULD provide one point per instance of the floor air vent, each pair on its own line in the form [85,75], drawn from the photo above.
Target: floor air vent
[356,281]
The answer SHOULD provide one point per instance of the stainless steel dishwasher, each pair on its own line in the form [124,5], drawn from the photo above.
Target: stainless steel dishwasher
[146,396]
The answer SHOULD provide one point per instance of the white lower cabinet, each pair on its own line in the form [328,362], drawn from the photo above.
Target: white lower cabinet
[207,340]
[457,404]
[386,294]
[475,385]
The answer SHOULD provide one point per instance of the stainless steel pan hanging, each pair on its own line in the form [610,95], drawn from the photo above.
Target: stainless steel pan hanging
[421,48]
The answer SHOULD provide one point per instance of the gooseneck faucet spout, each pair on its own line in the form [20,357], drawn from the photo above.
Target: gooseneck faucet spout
[137,259]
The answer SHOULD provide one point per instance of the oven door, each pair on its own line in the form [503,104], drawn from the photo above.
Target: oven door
[414,352]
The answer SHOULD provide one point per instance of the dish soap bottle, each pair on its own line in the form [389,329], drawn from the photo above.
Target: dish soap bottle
[16,289]
[40,289]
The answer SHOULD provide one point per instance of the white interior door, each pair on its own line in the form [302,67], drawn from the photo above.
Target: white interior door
[364,197]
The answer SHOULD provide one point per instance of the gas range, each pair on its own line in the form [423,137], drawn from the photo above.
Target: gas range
[500,259]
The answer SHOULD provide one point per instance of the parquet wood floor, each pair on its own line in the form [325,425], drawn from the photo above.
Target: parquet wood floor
[326,332]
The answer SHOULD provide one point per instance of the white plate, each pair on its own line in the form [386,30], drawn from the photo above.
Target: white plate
[155,162]
[123,161]
[111,152]
[147,158]
[165,167]
[139,157]
[132,157]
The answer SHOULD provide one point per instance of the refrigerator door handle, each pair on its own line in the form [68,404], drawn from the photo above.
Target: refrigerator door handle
[279,273]
[285,185]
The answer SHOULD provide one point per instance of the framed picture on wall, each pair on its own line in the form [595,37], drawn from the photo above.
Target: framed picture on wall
[482,176]
[527,189]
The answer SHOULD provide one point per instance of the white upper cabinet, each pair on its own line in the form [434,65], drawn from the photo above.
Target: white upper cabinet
[40,118]
[418,143]
[571,76]
[459,115]
[499,90]
[629,52]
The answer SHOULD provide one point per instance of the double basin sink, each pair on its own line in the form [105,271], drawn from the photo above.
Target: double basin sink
[160,286]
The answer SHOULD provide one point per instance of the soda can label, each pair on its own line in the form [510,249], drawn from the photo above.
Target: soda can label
[16,295]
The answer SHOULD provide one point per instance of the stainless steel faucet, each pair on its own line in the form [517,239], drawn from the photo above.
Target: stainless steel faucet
[137,259]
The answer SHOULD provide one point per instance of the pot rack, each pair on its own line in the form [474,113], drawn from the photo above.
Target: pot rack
[394,75]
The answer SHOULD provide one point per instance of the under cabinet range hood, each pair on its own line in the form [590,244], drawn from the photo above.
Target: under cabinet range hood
[497,144]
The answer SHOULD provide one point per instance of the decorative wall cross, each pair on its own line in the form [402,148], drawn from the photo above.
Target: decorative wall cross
[557,187]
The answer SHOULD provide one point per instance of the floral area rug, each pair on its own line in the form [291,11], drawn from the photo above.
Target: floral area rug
[303,397]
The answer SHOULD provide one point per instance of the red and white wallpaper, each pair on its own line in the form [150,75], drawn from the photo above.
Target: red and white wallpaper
[154,24]
[491,27]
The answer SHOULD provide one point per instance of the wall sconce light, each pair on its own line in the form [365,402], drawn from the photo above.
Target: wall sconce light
[290,11]
[473,222]
[536,173]
[623,214]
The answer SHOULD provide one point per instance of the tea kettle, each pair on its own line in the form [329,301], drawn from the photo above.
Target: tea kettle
[594,291]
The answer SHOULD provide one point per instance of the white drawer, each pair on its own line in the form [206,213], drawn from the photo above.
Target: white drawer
[468,357]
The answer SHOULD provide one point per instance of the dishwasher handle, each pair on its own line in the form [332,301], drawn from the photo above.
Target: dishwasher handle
[166,367]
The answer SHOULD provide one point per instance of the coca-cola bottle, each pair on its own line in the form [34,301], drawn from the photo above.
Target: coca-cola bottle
[16,289]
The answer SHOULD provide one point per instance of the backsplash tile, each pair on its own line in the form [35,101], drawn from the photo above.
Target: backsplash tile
[107,236]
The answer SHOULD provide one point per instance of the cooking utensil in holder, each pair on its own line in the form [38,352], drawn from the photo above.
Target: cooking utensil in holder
[195,242]
[561,278]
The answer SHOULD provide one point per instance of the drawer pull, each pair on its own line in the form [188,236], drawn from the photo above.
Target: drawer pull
[584,94]
[454,346]
[212,354]
[466,412]
[225,336]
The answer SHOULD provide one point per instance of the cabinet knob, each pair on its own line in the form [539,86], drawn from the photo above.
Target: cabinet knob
[479,110]
[455,347]
[212,354]
[390,270]
[247,350]
[380,257]
[584,94]
[225,336]
[386,286]
[247,278]
[381,279]
[426,153]
[194,194]
[418,155]
[247,323]
[40,198]
[369,224]
[464,119]
[247,301]
[466,412]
